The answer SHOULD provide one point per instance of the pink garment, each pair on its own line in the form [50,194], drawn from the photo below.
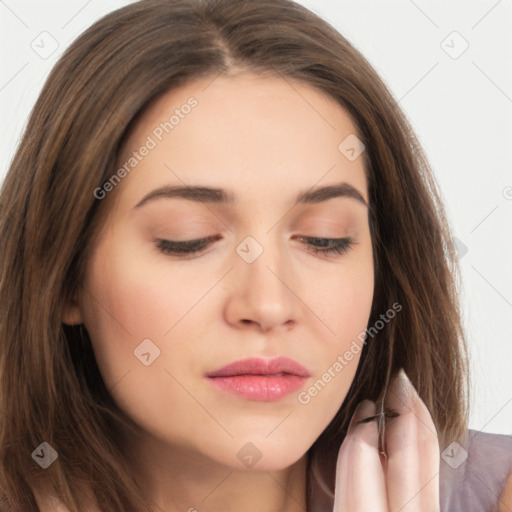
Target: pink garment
[476,484]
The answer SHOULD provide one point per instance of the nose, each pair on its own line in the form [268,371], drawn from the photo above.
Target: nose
[265,293]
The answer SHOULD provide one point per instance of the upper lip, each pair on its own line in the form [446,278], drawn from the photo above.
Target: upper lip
[258,366]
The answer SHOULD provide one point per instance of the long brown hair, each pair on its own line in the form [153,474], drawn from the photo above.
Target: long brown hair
[50,386]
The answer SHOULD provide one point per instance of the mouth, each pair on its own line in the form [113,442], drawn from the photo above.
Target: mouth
[260,379]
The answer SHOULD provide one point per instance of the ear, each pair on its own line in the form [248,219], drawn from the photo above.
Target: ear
[71,313]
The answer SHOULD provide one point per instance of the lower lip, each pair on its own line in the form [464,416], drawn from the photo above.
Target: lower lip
[264,388]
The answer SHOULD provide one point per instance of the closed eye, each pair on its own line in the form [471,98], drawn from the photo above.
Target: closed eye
[326,246]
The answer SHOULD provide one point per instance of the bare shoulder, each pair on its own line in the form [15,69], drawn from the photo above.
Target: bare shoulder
[505,502]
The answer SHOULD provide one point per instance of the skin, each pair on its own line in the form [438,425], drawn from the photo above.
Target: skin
[505,500]
[266,140]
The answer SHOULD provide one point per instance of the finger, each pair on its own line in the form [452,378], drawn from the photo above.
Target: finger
[412,468]
[360,483]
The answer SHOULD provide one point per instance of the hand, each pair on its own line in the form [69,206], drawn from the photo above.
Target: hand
[407,480]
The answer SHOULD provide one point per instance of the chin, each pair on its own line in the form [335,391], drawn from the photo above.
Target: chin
[262,454]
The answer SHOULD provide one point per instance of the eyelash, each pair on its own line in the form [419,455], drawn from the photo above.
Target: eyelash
[338,245]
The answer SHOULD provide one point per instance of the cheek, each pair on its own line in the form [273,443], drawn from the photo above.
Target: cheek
[131,297]
[345,302]
[125,303]
[132,292]
[340,351]
[343,298]
[352,296]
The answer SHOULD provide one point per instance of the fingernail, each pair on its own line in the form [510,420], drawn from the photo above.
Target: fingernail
[364,410]
[405,386]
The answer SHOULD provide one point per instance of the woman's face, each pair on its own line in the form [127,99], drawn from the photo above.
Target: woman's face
[160,322]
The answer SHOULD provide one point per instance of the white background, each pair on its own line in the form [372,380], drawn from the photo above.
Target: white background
[461,109]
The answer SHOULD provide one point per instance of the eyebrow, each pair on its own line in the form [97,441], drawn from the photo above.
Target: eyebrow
[220,196]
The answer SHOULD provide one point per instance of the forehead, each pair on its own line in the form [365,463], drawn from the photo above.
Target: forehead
[243,132]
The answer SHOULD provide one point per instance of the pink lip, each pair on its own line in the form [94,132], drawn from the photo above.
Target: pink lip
[260,379]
